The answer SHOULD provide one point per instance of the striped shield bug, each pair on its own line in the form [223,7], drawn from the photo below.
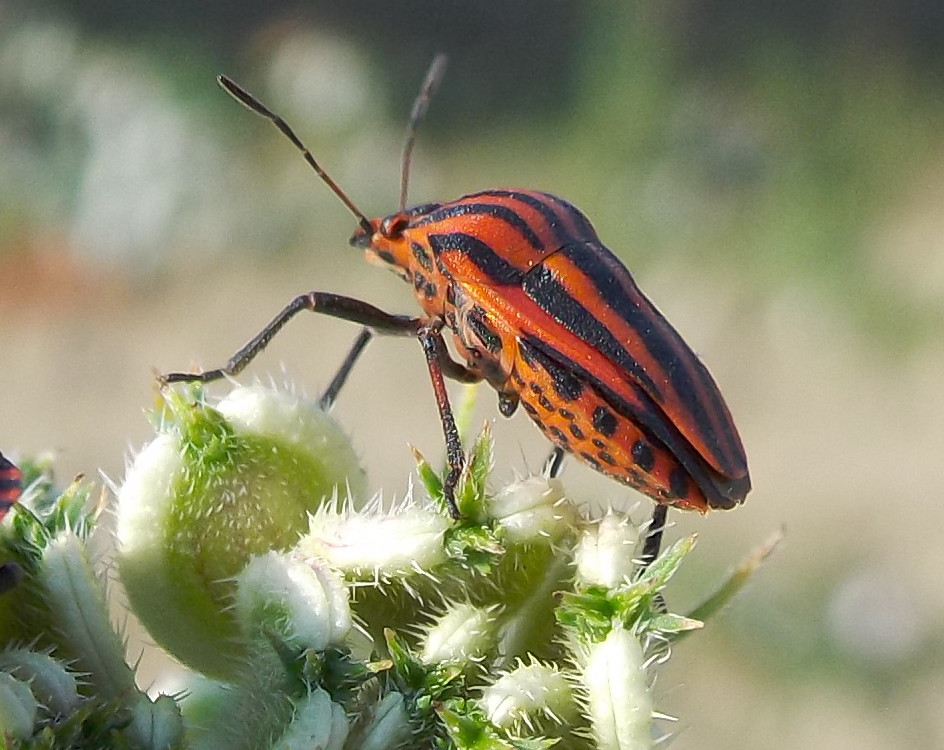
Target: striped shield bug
[11,485]
[539,308]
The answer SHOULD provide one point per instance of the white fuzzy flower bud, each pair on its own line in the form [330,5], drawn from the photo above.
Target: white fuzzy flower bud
[527,691]
[604,554]
[385,545]
[147,484]
[303,600]
[618,698]
[533,510]
[462,633]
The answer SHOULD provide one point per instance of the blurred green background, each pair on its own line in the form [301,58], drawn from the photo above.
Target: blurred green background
[773,174]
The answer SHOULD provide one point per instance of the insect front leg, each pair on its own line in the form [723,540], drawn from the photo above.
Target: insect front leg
[335,305]
[652,546]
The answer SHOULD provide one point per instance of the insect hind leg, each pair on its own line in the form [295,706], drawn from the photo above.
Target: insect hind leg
[553,463]
[652,546]
[653,543]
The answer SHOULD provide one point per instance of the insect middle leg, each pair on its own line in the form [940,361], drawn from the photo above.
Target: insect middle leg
[330,394]
[440,365]
[10,576]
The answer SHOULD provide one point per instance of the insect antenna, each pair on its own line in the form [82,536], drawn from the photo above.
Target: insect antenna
[433,77]
[250,102]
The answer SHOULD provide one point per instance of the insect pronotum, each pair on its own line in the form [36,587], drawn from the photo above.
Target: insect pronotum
[538,307]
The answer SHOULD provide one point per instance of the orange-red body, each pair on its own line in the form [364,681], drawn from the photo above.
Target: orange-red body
[554,322]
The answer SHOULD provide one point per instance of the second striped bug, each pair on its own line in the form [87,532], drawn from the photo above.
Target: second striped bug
[539,308]
[11,489]
[11,485]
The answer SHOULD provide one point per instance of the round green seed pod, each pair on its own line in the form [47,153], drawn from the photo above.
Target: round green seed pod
[217,486]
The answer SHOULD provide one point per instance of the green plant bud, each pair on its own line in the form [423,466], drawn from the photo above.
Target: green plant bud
[53,685]
[604,553]
[18,708]
[156,724]
[619,703]
[389,727]
[304,602]
[216,487]
[318,724]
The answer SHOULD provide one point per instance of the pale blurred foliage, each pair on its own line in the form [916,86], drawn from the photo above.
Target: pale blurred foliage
[149,223]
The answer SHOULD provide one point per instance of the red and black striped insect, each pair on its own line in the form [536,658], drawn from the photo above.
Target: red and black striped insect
[539,308]
[11,485]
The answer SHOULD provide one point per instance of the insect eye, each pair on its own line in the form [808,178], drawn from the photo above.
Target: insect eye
[360,239]
[392,227]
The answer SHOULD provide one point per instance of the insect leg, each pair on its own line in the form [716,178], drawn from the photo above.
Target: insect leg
[653,543]
[330,394]
[435,350]
[452,369]
[554,462]
[325,303]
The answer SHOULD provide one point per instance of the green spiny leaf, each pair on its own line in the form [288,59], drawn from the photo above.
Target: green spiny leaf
[736,581]
[672,624]
[411,673]
[429,478]
[481,459]
[35,528]
[657,575]
[471,732]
